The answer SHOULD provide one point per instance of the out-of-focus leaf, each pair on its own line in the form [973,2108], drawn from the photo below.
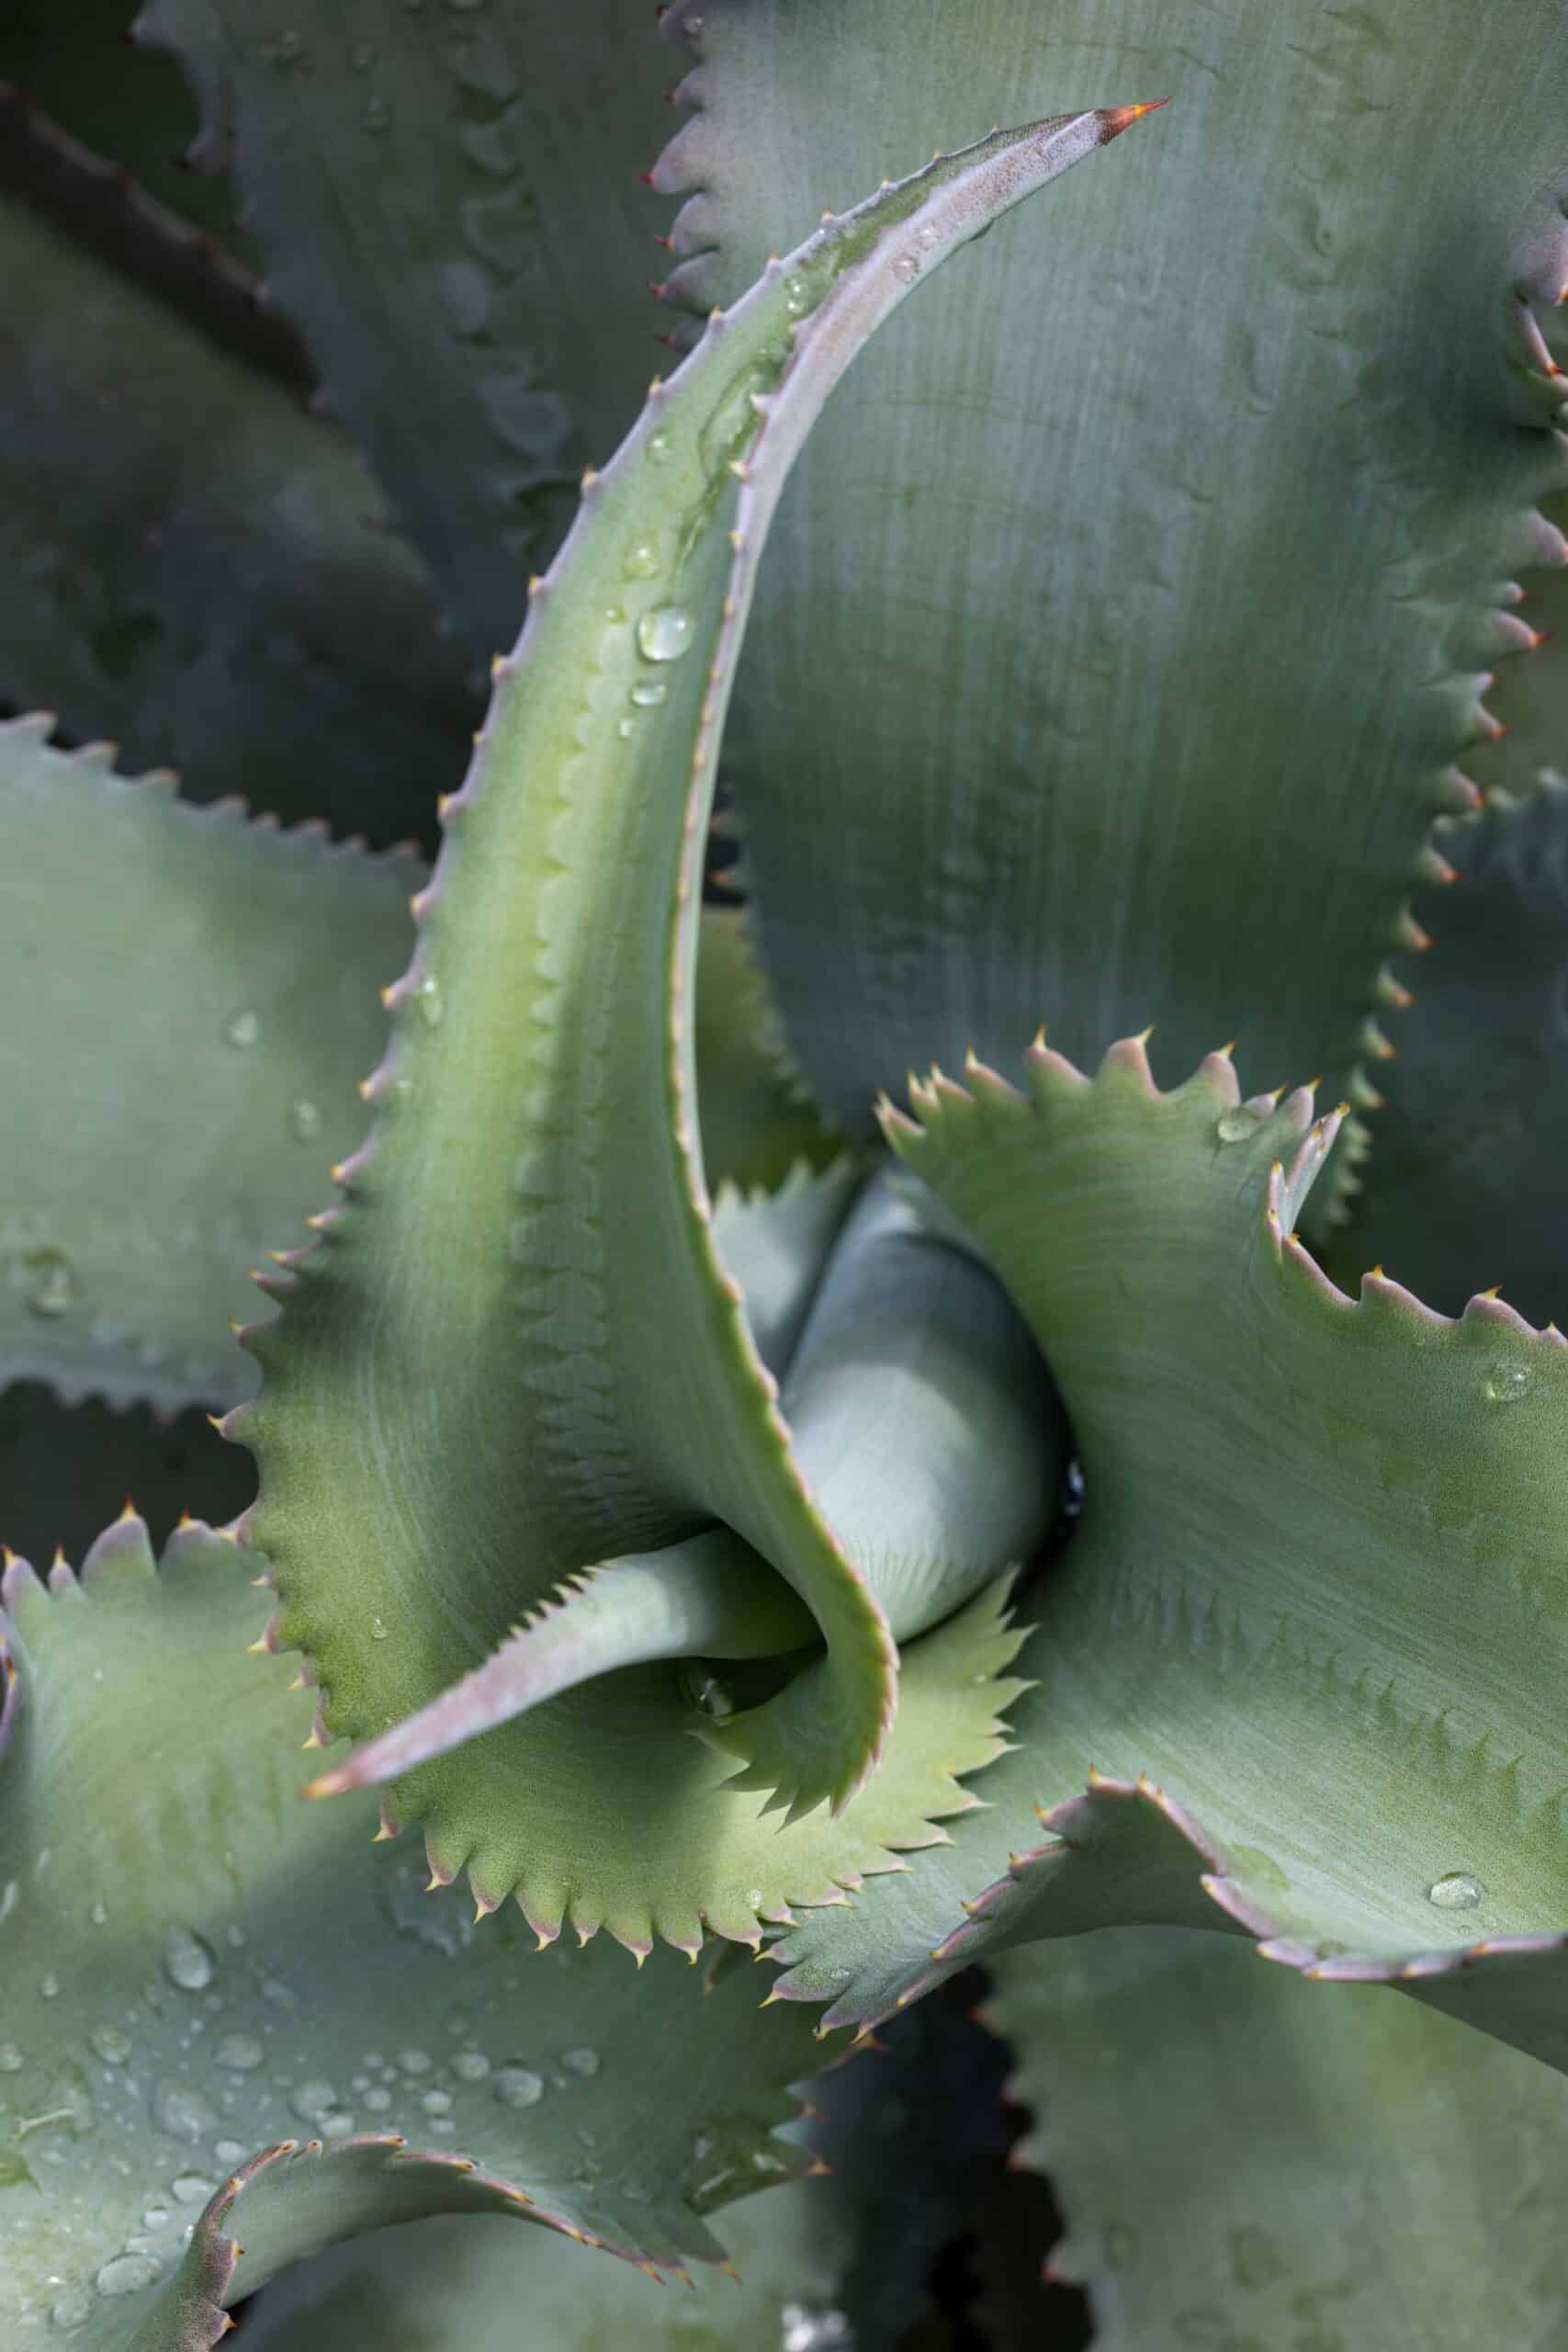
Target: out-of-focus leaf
[192,567]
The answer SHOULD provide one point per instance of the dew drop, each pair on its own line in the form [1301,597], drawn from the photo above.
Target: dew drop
[626,728]
[181,2112]
[663,634]
[660,448]
[797,294]
[49,1985]
[312,2100]
[1238,1125]
[470,2065]
[187,1961]
[581,2062]
[906,269]
[112,2046]
[241,1030]
[377,1629]
[809,2327]
[72,2307]
[649,693]
[47,1279]
[517,2086]
[127,2274]
[377,114]
[227,2151]
[378,2101]
[241,2053]
[304,1121]
[414,2062]
[733,2156]
[437,2102]
[1456,1891]
[928,236]
[338,2125]
[10,2058]
[1506,1384]
[155,2217]
[706,1692]
[427,1001]
[191,2189]
[641,560]
[99,1915]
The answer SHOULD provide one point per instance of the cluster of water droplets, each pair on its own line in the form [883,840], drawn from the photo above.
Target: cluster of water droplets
[203,2068]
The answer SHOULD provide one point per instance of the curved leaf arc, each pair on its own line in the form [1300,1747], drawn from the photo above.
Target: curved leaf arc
[1299,1648]
[524,1278]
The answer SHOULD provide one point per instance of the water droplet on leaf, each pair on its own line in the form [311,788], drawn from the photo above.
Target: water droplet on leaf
[305,1122]
[47,1279]
[1237,1125]
[1456,1891]
[190,2189]
[127,2274]
[906,269]
[660,448]
[641,560]
[581,2062]
[664,634]
[311,2100]
[649,693]
[112,2046]
[427,1001]
[10,2058]
[517,2086]
[243,1030]
[181,2112]
[241,2053]
[187,1961]
[732,2156]
[1506,1384]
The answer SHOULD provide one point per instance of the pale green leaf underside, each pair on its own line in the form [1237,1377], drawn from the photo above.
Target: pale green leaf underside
[449,201]
[1172,647]
[1315,1593]
[1464,1185]
[198,1966]
[192,567]
[555,1360]
[190,1004]
[1246,2161]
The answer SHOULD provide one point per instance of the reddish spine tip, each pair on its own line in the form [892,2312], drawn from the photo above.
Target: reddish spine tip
[1114,120]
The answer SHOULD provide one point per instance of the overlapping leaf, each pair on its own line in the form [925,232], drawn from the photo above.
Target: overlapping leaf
[1245,2159]
[193,567]
[1168,657]
[449,201]
[227,2009]
[192,1007]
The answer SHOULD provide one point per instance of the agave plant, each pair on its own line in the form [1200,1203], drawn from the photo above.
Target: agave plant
[730,1498]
